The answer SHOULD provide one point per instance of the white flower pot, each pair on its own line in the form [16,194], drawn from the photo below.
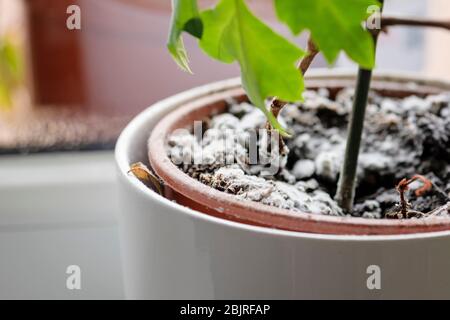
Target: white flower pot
[170,251]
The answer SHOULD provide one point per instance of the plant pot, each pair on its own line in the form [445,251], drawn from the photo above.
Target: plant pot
[173,251]
[187,191]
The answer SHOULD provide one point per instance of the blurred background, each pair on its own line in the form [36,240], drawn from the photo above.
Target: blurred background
[65,95]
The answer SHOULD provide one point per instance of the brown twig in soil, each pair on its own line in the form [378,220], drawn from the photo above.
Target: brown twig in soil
[403,186]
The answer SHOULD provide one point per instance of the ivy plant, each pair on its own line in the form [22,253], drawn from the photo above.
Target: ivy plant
[230,32]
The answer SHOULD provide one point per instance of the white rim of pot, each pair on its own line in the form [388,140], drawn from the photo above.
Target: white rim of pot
[125,140]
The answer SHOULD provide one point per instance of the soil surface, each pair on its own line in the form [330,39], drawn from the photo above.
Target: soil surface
[402,138]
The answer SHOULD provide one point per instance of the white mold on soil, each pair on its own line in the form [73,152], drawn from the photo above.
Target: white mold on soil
[402,137]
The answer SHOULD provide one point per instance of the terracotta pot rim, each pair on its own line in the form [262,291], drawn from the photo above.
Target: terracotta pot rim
[268,216]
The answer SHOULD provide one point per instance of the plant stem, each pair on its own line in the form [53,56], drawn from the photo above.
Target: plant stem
[345,194]
[311,52]
[277,105]
[347,180]
[413,22]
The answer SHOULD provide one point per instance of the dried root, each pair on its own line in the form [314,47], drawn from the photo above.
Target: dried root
[404,210]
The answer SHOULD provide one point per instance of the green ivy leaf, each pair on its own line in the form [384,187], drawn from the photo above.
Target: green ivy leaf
[11,57]
[335,25]
[267,60]
[11,70]
[185,17]
[5,97]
